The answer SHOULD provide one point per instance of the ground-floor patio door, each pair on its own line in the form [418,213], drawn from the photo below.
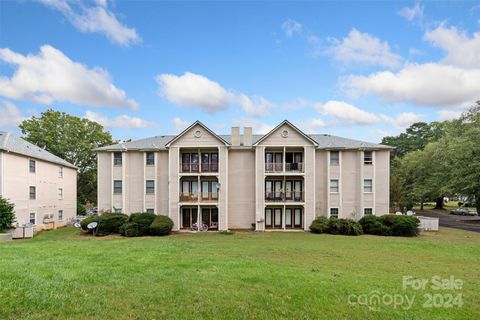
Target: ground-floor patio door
[189,217]
[210,218]
[273,218]
[293,218]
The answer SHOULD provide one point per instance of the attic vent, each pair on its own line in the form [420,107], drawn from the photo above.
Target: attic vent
[197,133]
[285,133]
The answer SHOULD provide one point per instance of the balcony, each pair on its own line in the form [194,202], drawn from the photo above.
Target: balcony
[202,197]
[291,196]
[197,168]
[271,167]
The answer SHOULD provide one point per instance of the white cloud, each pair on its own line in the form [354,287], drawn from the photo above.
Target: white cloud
[449,114]
[51,76]
[313,125]
[414,13]
[359,47]
[290,27]
[429,84]
[10,115]
[402,120]
[346,113]
[96,18]
[122,121]
[462,50]
[258,127]
[180,124]
[195,90]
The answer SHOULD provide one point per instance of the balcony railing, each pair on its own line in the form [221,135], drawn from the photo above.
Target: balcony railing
[289,196]
[198,196]
[289,167]
[195,167]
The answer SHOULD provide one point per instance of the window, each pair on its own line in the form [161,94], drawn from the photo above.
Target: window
[150,186]
[333,212]
[368,157]
[117,186]
[274,161]
[32,166]
[117,158]
[150,210]
[149,158]
[209,162]
[367,211]
[60,194]
[367,185]
[60,172]
[33,193]
[334,158]
[190,162]
[117,210]
[60,215]
[334,185]
[33,218]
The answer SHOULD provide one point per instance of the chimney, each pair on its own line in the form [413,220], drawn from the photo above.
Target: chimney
[247,136]
[235,136]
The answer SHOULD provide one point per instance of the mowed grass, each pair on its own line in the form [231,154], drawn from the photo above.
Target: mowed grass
[64,275]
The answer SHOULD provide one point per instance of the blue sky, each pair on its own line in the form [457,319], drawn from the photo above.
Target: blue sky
[141,68]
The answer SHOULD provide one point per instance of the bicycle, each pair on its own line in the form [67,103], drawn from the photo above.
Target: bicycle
[203,227]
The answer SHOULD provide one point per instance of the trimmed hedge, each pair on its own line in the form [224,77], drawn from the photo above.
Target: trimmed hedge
[336,226]
[391,225]
[143,220]
[132,229]
[109,223]
[161,226]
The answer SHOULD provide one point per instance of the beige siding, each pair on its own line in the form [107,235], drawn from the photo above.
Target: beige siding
[104,183]
[134,182]
[17,179]
[294,138]
[161,161]
[381,182]
[241,188]
[321,184]
[188,139]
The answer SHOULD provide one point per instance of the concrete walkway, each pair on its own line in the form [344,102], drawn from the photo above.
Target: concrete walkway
[469,223]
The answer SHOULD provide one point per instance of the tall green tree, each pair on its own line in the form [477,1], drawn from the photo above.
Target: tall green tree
[7,214]
[73,139]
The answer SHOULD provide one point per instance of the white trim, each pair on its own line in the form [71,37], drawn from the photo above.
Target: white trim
[168,144]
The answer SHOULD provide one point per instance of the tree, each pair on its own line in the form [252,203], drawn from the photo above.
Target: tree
[7,214]
[73,139]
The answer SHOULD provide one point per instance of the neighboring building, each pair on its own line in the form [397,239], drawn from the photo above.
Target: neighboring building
[280,180]
[42,186]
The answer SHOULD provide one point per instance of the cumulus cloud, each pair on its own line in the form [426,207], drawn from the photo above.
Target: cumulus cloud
[258,127]
[402,120]
[51,76]
[96,18]
[462,50]
[429,84]
[290,27]
[195,90]
[413,13]
[313,125]
[180,124]
[122,121]
[346,113]
[359,47]
[10,115]
[449,114]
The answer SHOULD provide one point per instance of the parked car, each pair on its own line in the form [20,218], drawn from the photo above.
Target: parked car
[463,211]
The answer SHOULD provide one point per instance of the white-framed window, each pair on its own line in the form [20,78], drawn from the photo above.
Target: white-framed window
[33,218]
[117,158]
[117,186]
[60,215]
[150,186]
[334,185]
[60,193]
[150,158]
[368,157]
[334,158]
[333,212]
[150,210]
[60,172]
[32,165]
[33,193]
[367,211]
[367,185]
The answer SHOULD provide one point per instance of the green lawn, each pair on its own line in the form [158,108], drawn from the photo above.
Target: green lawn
[64,275]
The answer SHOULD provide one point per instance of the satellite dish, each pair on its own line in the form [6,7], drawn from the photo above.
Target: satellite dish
[92,225]
[77,225]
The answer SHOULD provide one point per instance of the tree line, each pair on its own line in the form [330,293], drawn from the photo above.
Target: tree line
[435,160]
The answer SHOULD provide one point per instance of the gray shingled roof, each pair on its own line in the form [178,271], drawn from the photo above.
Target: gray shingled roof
[325,141]
[11,143]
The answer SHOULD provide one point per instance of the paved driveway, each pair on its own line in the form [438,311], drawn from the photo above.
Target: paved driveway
[469,223]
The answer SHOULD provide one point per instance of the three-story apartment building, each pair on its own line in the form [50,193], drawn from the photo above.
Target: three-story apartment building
[278,181]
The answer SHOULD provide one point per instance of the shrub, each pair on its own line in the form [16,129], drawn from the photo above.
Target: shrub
[86,221]
[7,214]
[405,226]
[161,226]
[132,229]
[460,203]
[349,227]
[81,210]
[109,223]
[333,226]
[373,225]
[319,225]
